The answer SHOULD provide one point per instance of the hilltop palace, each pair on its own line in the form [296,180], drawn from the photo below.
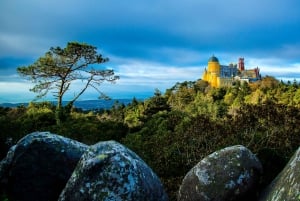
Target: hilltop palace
[221,76]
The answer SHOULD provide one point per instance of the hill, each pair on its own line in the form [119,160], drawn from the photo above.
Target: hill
[84,104]
[173,131]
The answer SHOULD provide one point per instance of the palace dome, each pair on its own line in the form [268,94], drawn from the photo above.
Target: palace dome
[213,59]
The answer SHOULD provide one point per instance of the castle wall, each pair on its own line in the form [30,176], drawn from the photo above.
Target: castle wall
[220,75]
[214,67]
[225,82]
[228,71]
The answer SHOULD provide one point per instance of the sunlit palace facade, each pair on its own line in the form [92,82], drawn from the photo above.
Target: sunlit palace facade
[221,75]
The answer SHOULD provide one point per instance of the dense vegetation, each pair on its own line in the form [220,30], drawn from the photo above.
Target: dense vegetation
[173,131]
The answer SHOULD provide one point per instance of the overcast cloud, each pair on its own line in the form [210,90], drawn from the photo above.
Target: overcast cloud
[151,44]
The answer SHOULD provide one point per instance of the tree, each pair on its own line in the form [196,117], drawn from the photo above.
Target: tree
[155,104]
[59,68]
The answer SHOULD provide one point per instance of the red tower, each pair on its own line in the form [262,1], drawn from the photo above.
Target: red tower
[241,64]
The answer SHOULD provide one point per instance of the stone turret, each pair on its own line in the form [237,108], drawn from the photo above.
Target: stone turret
[211,75]
[241,64]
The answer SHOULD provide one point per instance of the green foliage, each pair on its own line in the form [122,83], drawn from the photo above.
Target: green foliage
[172,132]
[203,121]
[133,114]
[155,104]
[3,197]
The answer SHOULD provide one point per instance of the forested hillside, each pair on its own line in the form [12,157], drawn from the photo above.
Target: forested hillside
[174,130]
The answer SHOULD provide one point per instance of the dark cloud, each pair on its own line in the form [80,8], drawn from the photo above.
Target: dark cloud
[172,33]
[134,27]
[8,65]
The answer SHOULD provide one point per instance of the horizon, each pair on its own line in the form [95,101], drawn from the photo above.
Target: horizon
[66,101]
[151,45]
[142,98]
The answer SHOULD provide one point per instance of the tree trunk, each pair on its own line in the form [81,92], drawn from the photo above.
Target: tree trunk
[59,111]
[58,115]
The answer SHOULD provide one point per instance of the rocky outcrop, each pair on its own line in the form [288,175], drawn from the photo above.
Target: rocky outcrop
[41,167]
[38,167]
[286,185]
[44,166]
[229,174]
[110,171]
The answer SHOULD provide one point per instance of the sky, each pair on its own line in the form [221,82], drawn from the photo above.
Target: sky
[151,44]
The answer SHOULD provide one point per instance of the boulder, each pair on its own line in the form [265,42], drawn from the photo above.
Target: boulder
[109,171]
[228,174]
[286,186]
[4,168]
[38,167]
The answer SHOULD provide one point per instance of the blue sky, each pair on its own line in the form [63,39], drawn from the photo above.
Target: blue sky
[151,44]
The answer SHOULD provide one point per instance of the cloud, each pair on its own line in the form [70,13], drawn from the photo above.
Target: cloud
[15,92]
[280,68]
[133,26]
[154,70]
[140,77]
[154,44]
[22,45]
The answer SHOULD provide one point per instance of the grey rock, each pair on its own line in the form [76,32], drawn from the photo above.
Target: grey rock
[5,165]
[286,186]
[111,172]
[228,174]
[38,166]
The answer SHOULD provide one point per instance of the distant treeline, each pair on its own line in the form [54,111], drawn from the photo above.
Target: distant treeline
[81,104]
[174,130]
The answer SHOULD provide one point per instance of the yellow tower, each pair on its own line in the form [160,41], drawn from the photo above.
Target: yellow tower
[212,74]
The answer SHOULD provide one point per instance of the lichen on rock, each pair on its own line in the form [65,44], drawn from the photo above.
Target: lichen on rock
[110,171]
[286,186]
[228,174]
